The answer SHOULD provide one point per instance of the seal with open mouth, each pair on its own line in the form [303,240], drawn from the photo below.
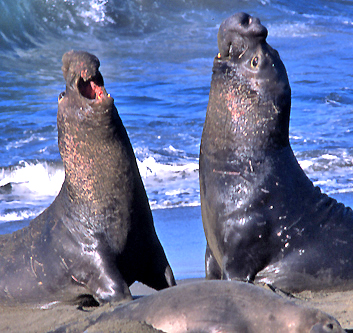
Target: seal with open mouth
[262,216]
[98,236]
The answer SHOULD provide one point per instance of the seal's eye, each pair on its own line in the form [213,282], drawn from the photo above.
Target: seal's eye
[254,62]
[61,96]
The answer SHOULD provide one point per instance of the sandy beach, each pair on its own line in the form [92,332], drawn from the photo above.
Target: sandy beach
[157,65]
[67,318]
[184,242]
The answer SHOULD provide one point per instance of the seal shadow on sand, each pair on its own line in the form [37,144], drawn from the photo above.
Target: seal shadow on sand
[98,236]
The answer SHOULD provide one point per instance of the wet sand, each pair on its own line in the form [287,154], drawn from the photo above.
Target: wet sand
[70,319]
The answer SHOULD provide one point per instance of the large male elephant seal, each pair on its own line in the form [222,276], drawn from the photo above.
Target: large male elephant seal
[98,236]
[214,306]
[262,216]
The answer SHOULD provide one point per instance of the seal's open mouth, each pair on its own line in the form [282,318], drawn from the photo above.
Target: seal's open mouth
[93,88]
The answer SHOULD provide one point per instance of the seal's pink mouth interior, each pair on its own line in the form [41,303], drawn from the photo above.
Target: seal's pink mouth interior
[90,89]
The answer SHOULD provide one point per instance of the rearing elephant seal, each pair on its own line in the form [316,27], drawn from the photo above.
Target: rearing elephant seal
[98,236]
[262,216]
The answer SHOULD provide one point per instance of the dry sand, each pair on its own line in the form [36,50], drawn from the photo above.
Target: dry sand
[337,304]
[28,319]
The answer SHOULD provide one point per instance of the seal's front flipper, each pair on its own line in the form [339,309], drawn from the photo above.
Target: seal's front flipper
[159,276]
[212,269]
[169,276]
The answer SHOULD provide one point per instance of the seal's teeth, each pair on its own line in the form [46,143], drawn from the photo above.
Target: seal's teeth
[99,97]
[219,56]
[108,95]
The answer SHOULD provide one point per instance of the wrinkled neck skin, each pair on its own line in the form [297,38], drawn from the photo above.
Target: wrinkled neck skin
[94,148]
[248,112]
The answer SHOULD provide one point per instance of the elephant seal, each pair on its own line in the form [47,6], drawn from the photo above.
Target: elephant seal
[263,218]
[214,306]
[98,236]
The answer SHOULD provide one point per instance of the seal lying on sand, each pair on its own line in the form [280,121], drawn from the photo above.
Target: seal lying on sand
[98,236]
[214,306]
[262,216]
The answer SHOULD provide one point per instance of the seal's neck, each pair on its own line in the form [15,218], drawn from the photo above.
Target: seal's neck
[242,122]
[96,153]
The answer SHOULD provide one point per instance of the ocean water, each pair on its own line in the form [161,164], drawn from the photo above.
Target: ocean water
[156,60]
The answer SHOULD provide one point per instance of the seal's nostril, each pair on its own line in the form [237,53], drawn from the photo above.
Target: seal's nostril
[330,326]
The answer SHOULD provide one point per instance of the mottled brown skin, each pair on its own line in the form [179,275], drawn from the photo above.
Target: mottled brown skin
[218,306]
[263,218]
[98,236]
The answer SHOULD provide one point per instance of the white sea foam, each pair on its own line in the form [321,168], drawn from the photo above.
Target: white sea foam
[33,186]
[329,157]
[298,29]
[22,142]
[18,216]
[170,185]
[40,179]
[94,11]
[332,170]
[45,179]
[151,168]
[306,164]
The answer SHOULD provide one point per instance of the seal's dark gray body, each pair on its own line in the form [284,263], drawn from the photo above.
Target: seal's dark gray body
[217,306]
[262,216]
[98,236]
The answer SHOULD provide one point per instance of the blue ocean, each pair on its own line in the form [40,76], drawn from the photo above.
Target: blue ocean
[156,59]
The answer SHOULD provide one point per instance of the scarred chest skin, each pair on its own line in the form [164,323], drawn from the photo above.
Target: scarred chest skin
[262,216]
[98,236]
